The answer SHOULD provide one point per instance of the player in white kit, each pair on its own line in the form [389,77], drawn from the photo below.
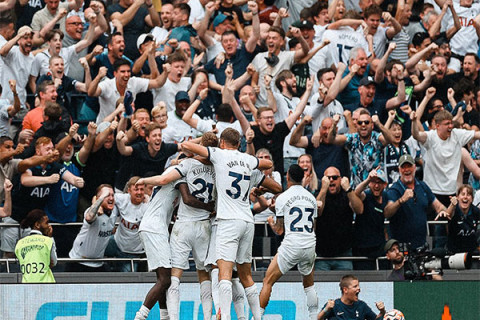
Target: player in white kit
[257,180]
[195,178]
[235,227]
[296,210]
[154,234]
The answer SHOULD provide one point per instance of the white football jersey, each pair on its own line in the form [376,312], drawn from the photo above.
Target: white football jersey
[298,207]
[127,236]
[342,41]
[466,39]
[200,179]
[92,240]
[159,212]
[233,170]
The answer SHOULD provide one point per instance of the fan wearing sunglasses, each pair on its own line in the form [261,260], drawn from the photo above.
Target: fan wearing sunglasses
[365,147]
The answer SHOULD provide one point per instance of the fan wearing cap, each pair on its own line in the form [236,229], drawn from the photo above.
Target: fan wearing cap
[409,201]
[110,90]
[135,18]
[17,57]
[369,230]
[177,130]
[141,67]
[396,257]
[62,202]
[367,89]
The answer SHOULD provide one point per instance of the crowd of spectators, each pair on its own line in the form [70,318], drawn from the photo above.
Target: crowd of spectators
[377,100]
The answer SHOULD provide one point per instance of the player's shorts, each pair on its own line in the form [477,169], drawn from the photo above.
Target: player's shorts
[157,249]
[234,240]
[190,236]
[10,235]
[212,255]
[289,256]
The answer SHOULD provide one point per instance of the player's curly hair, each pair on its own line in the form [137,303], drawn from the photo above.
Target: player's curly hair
[209,139]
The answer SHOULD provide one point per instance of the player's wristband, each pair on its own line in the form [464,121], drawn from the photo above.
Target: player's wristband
[349,190]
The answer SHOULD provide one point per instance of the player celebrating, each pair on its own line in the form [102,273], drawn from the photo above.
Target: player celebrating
[297,208]
[191,232]
[235,227]
[154,234]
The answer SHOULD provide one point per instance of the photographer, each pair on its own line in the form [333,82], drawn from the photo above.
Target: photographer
[395,255]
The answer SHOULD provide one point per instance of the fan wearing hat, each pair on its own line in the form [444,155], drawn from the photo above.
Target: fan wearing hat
[367,89]
[141,67]
[396,257]
[369,230]
[177,130]
[409,201]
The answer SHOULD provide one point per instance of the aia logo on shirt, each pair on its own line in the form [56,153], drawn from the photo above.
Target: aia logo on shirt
[465,22]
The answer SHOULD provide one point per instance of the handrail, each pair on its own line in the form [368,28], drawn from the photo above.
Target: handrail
[53,224]
[8,261]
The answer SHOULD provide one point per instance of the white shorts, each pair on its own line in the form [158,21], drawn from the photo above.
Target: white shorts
[186,237]
[157,249]
[289,256]
[212,255]
[234,241]
[11,235]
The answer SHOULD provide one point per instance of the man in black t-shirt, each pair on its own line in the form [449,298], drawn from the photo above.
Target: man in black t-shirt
[31,190]
[334,227]
[270,135]
[146,156]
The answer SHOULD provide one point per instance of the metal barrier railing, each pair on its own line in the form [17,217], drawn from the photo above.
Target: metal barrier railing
[132,261]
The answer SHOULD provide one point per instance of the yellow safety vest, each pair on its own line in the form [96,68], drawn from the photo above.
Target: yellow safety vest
[33,253]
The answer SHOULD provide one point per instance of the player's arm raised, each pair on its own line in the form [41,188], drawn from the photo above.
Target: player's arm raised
[160,180]
[195,148]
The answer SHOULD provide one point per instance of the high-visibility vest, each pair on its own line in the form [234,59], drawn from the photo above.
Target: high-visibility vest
[33,253]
